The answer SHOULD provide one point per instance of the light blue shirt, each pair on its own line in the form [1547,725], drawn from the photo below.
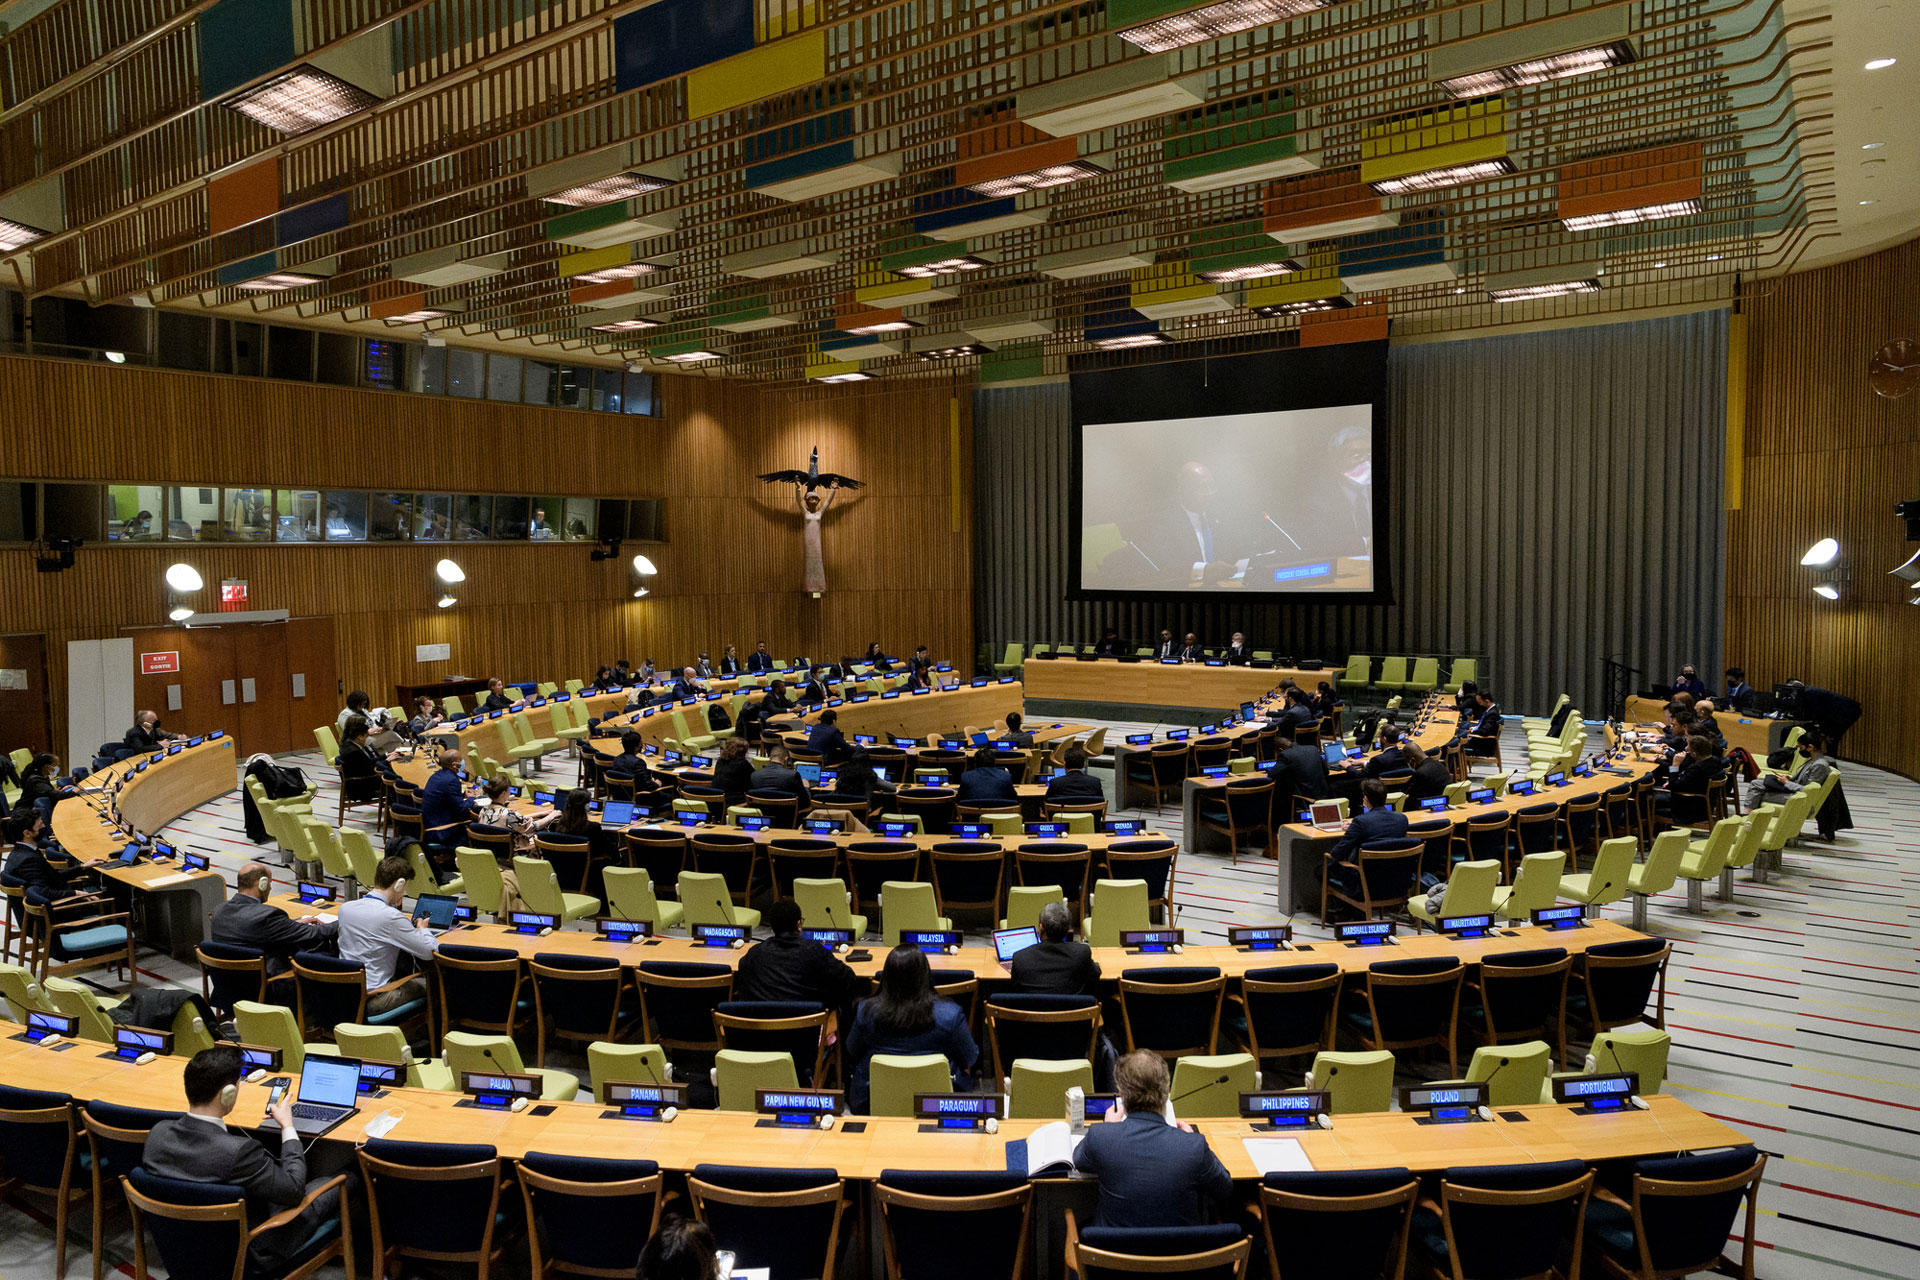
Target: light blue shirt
[375,934]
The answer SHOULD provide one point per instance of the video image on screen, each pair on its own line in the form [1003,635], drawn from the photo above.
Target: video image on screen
[1280,501]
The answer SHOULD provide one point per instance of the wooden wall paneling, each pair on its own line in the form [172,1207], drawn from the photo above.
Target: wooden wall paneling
[25,712]
[206,660]
[731,571]
[310,654]
[1826,457]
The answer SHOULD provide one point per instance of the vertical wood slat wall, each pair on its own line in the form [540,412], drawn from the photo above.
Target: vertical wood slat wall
[1556,501]
[731,572]
[1827,457]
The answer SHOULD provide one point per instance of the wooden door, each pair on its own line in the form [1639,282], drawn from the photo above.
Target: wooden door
[24,710]
[205,662]
[316,698]
[263,687]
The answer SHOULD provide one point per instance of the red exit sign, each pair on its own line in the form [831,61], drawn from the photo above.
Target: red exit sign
[159,664]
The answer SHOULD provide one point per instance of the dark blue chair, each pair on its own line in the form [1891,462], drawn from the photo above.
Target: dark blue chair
[202,1232]
[800,857]
[434,1200]
[1052,1027]
[1616,981]
[953,1226]
[677,1000]
[787,1220]
[598,1213]
[116,1137]
[1040,863]
[479,989]
[77,933]
[331,991]
[1410,1004]
[1289,1009]
[968,876]
[578,998]
[1216,1252]
[1436,834]
[1678,1217]
[230,972]
[1518,996]
[796,1028]
[1172,1011]
[1149,859]
[1504,1220]
[1338,1225]
[40,1152]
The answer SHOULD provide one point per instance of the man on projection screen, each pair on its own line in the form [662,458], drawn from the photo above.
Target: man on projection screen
[1189,539]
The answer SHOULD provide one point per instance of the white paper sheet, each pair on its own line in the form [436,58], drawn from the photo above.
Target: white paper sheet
[1277,1155]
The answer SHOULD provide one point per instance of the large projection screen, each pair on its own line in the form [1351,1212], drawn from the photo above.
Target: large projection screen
[1186,488]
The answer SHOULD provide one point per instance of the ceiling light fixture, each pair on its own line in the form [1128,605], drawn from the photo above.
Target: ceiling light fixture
[1872,146]
[276,281]
[1213,21]
[448,600]
[184,578]
[943,267]
[948,353]
[448,571]
[17,235]
[1337,302]
[625,326]
[1048,175]
[691,357]
[644,567]
[1129,340]
[1252,271]
[1827,592]
[882,326]
[1713,257]
[1869,202]
[417,317]
[1658,265]
[115,357]
[639,593]
[855,376]
[1557,289]
[1821,553]
[620,186]
[1625,217]
[607,275]
[1559,66]
[301,99]
[179,613]
[1880,64]
[1446,176]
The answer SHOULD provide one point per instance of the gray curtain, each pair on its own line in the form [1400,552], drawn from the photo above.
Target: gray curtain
[1556,501]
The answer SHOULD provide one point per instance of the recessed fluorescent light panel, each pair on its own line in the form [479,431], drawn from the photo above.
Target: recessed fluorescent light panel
[621,186]
[948,353]
[1447,176]
[1211,22]
[1626,217]
[691,357]
[607,275]
[417,317]
[1557,289]
[1337,302]
[1129,340]
[1252,271]
[276,282]
[1051,175]
[846,377]
[625,326]
[943,267]
[16,235]
[304,98]
[1559,66]
[882,326]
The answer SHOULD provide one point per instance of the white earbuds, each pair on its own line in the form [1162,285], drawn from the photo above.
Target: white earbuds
[736,944]
[544,932]
[842,949]
[1178,949]
[1639,1102]
[993,1125]
[1486,1113]
[1324,1120]
[518,1104]
[144,1059]
[667,1116]
[256,1075]
[47,1040]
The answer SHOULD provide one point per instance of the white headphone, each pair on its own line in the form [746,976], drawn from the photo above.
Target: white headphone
[229,1095]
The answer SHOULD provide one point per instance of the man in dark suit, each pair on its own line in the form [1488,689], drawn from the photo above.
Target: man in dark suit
[814,691]
[778,774]
[826,738]
[1739,692]
[1152,1173]
[919,669]
[1014,733]
[1109,646]
[1377,821]
[199,1147]
[1190,650]
[1237,654]
[28,863]
[759,662]
[630,760]
[1483,735]
[146,733]
[789,967]
[1298,770]
[1184,541]
[1167,648]
[1430,776]
[247,920]
[444,805]
[1057,965]
[1299,713]
[729,663]
[703,669]
[688,685]
[1076,785]
[1389,755]
[986,780]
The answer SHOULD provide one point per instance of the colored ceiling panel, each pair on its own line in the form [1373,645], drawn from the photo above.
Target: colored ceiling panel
[1319,206]
[242,40]
[315,218]
[244,196]
[1365,323]
[1238,140]
[791,63]
[1403,147]
[673,37]
[1633,186]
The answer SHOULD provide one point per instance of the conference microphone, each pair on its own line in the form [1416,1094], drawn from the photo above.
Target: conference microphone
[1222,1079]
[1129,542]
[1486,1112]
[1283,533]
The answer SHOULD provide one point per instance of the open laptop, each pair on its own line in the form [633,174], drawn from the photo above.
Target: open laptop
[329,1093]
[1325,815]
[809,772]
[1008,941]
[438,909]
[1335,754]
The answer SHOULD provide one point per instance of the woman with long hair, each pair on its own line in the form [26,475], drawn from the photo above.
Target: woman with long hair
[906,1017]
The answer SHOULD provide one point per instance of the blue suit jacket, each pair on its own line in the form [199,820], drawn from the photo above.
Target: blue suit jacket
[1151,1173]
[442,805]
[1374,824]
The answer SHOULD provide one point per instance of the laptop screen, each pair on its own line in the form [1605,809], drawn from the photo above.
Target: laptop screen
[618,813]
[1334,752]
[1008,941]
[331,1082]
[437,908]
[809,772]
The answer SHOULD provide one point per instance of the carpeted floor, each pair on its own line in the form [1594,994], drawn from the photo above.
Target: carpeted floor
[1793,1011]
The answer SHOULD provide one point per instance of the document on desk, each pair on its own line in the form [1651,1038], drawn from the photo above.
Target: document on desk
[1277,1155]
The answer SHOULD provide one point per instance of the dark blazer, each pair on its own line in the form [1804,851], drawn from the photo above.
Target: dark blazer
[1109,647]
[1167,649]
[986,784]
[1486,723]
[734,776]
[1024,738]
[360,773]
[27,864]
[1064,968]
[788,967]
[1392,760]
[1739,695]
[775,777]
[1237,655]
[635,765]
[443,806]
[1430,779]
[1301,771]
[496,702]
[1075,785]
[252,923]
[1374,824]
[729,666]
[1151,1173]
[829,742]
[1192,653]
[194,1151]
[703,669]
[1695,686]
[1300,716]
[682,689]
[814,692]
[143,739]
[758,662]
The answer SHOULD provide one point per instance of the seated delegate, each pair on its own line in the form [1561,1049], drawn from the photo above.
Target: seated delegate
[906,1017]
[1153,1172]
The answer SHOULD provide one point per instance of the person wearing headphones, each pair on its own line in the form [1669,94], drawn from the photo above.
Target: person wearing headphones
[199,1147]
[374,932]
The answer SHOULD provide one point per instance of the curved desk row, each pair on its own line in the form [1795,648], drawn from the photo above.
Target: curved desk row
[1185,686]
[1759,735]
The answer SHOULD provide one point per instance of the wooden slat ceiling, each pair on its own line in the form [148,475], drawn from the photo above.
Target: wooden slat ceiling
[444,161]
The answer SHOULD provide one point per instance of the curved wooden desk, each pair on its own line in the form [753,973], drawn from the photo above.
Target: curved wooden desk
[1760,735]
[1186,686]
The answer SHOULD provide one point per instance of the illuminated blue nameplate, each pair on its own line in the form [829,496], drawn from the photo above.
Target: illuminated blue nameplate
[174,749]
[142,766]
[1047,830]
[623,931]
[931,941]
[755,822]
[193,862]
[532,922]
[1216,662]
[1364,933]
[1296,1110]
[978,683]
[1098,1104]
[913,692]
[1179,735]
[1123,826]
[911,742]
[829,938]
[1434,804]
[375,1076]
[156,757]
[1209,728]
[823,826]
[704,762]
[1007,746]
[962,1111]
[671,757]
[495,715]
[1152,941]
[1560,917]
[1169,662]
[1324,569]
[834,702]
[1467,926]
[1214,771]
[860,697]
[945,666]
[1006,679]
[498,1089]
[1524,787]
[42,1025]
[1260,937]
[798,1107]
[259,1057]
[130,1042]
[1449,1104]
[1583,770]
[720,935]
[194,742]
[216,735]
[692,817]
[635,1101]
[1480,795]
[899,830]
[463,913]
[1597,1094]
[310,893]
[715,697]
[562,697]
[891,693]
[1557,779]
[543,798]
[1139,739]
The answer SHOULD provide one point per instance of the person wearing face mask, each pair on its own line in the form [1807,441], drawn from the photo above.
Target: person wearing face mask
[1811,767]
[1688,681]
